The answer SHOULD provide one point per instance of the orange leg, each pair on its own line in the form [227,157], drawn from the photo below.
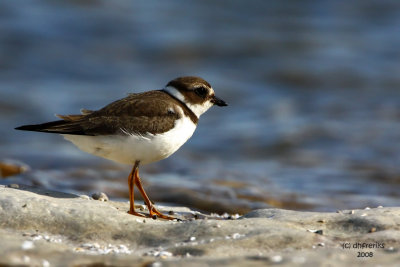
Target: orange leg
[154,213]
[131,184]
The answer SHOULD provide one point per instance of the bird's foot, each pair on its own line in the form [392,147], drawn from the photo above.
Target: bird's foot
[132,212]
[154,213]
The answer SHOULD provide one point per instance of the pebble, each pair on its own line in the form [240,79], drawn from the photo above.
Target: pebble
[276,258]
[319,232]
[236,236]
[165,254]
[36,236]
[156,264]
[225,216]
[95,248]
[391,250]
[235,216]
[159,253]
[100,196]
[27,245]
[15,186]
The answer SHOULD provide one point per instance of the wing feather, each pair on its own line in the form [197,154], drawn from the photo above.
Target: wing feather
[148,112]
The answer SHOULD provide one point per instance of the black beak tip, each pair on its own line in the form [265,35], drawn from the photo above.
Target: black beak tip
[223,104]
[219,102]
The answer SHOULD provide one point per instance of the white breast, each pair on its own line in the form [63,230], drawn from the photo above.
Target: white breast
[130,148]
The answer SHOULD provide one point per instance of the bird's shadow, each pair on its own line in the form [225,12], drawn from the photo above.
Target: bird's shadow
[42,191]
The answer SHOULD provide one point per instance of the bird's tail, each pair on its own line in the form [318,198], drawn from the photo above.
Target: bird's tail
[70,124]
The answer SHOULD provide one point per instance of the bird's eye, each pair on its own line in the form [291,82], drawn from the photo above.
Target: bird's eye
[201,91]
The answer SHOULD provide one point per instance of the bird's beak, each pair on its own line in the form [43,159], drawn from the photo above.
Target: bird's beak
[217,101]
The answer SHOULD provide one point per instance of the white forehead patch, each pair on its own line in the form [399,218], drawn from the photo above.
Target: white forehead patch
[197,109]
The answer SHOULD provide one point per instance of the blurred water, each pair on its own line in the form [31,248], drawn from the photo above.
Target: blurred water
[313,121]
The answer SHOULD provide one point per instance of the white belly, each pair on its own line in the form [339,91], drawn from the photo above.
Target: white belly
[130,148]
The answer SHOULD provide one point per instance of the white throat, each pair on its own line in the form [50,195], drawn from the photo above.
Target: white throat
[197,109]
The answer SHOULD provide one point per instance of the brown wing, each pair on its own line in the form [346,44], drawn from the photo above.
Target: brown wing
[149,112]
[70,117]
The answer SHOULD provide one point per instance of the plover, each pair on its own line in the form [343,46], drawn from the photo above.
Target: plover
[138,129]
